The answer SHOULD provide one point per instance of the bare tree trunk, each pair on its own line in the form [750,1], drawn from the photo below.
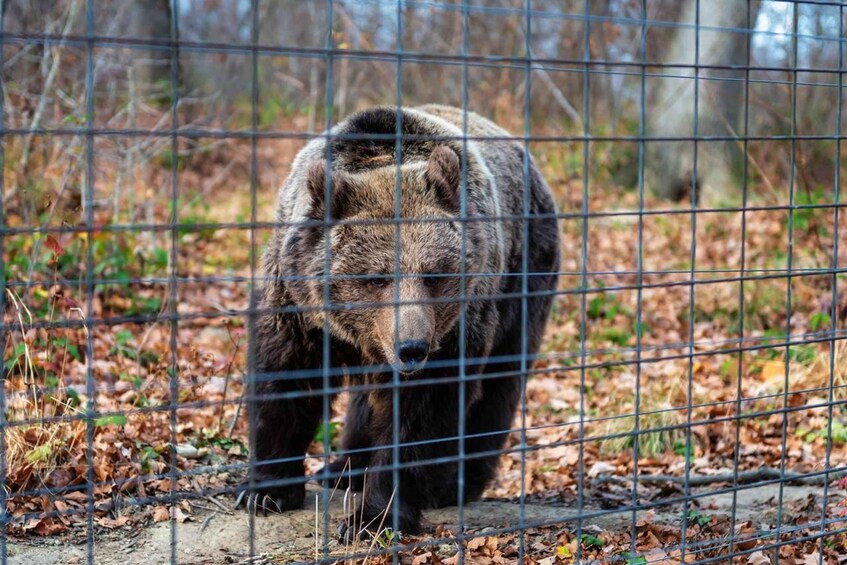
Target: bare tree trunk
[723,41]
[150,20]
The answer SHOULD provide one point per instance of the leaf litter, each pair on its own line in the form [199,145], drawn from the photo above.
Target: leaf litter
[582,408]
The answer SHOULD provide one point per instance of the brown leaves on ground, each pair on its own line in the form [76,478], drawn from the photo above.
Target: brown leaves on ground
[167,396]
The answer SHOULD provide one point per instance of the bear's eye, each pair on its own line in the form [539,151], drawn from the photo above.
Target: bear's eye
[378,281]
[431,281]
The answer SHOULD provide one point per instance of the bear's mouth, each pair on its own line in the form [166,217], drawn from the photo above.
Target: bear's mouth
[407,369]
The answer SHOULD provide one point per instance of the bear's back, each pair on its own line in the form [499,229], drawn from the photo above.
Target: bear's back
[368,140]
[477,126]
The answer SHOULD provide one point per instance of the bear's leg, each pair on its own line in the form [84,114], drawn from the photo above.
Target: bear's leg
[490,419]
[426,413]
[489,422]
[283,427]
[356,438]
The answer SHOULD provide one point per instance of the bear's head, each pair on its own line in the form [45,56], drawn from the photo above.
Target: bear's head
[395,286]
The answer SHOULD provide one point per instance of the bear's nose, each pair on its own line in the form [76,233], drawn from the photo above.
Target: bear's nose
[413,352]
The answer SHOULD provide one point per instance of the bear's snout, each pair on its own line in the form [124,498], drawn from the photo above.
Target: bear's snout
[408,332]
[415,327]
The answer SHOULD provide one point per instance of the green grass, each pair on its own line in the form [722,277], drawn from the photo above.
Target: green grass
[659,432]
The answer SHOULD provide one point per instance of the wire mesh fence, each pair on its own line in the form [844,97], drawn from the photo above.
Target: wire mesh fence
[546,281]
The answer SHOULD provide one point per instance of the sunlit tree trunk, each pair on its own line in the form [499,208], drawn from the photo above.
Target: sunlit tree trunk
[721,39]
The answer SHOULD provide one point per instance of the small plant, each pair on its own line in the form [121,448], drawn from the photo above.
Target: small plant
[617,336]
[212,437]
[147,454]
[681,448]
[385,538]
[589,541]
[110,420]
[819,321]
[604,305]
[698,518]
[839,433]
[327,431]
[804,218]
[802,354]
[191,215]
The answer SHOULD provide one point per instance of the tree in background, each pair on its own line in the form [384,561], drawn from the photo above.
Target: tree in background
[585,56]
[150,20]
[720,40]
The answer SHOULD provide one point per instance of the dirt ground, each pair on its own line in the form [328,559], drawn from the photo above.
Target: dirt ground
[218,537]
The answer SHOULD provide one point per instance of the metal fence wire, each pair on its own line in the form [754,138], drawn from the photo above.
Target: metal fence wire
[388,375]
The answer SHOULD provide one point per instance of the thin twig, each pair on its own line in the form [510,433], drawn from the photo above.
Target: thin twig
[236,343]
[207,520]
[219,504]
[48,86]
[747,477]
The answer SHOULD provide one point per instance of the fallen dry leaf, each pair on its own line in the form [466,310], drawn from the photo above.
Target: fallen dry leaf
[112,523]
[812,559]
[422,558]
[178,515]
[758,558]
[160,514]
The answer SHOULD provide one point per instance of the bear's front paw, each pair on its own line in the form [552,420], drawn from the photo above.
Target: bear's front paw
[270,499]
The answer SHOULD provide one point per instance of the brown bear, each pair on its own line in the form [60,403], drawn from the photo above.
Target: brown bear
[450,287]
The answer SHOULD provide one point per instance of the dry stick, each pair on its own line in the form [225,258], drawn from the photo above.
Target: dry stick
[28,367]
[228,371]
[379,528]
[128,161]
[365,43]
[558,95]
[207,520]
[237,409]
[48,85]
[219,504]
[36,247]
[235,418]
[361,513]
[317,537]
[746,477]
[347,467]
[765,178]
[802,170]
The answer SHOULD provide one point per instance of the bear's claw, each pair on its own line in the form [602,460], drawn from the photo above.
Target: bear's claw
[345,533]
[264,500]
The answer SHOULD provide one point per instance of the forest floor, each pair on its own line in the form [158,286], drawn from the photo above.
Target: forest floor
[164,367]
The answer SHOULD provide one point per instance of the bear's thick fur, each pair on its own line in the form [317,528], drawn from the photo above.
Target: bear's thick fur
[375,319]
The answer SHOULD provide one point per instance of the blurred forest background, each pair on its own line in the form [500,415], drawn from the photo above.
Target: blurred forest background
[133,86]
[128,251]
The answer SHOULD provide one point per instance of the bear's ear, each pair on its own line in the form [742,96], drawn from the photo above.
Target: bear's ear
[443,173]
[338,192]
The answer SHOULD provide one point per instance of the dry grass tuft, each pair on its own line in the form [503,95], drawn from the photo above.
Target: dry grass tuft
[34,452]
[817,373]
[661,419]
[660,431]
